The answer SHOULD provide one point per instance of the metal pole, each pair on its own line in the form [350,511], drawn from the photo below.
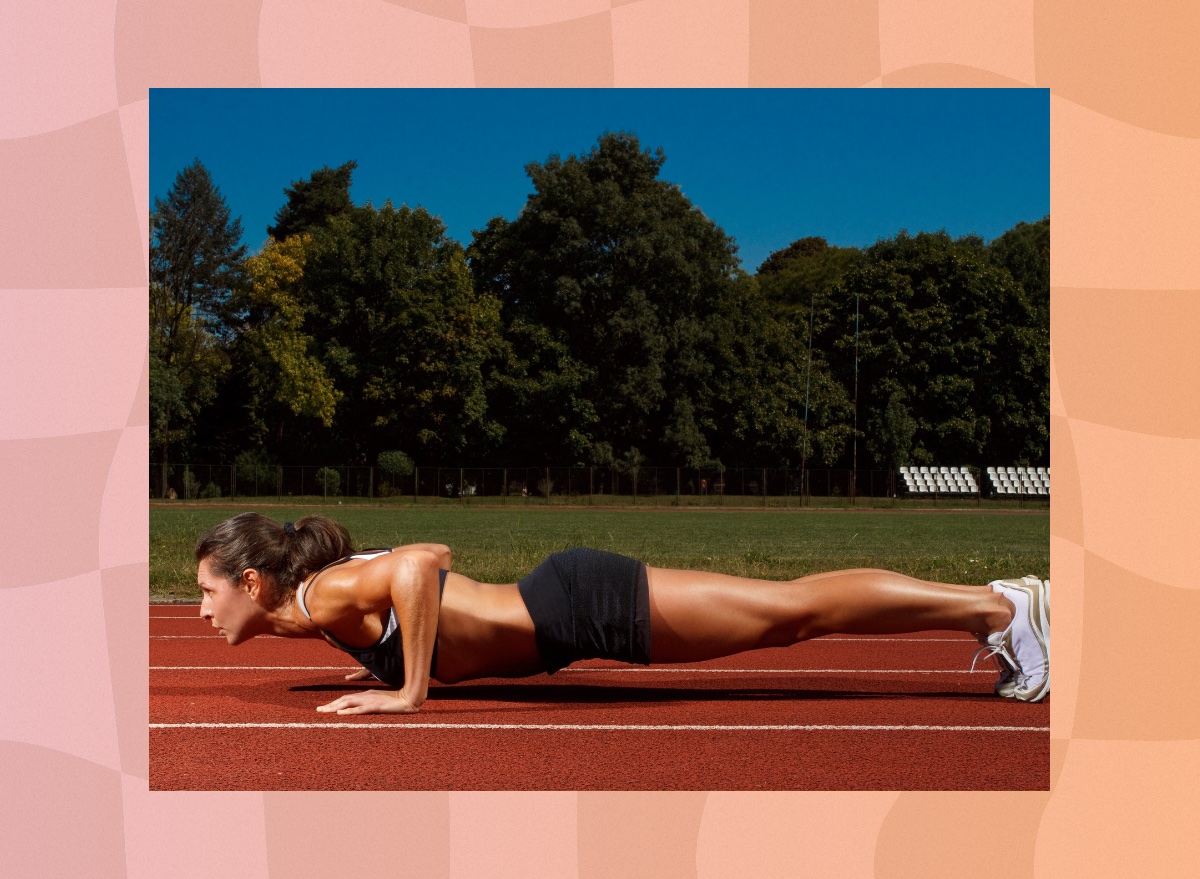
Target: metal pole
[807,376]
[854,471]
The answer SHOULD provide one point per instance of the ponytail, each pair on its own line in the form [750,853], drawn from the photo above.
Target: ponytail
[282,554]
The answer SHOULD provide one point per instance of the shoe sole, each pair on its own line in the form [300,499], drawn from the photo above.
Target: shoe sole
[1007,689]
[1039,611]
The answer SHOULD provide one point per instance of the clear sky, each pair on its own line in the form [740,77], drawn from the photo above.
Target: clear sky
[768,166]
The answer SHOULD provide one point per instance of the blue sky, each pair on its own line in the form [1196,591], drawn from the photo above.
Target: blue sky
[768,166]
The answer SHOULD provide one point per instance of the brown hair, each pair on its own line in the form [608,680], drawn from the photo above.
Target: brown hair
[283,555]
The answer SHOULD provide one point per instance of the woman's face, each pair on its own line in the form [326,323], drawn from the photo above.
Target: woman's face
[227,605]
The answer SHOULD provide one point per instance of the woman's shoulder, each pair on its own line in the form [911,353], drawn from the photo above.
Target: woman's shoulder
[359,583]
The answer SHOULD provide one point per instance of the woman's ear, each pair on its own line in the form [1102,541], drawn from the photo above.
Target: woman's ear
[252,583]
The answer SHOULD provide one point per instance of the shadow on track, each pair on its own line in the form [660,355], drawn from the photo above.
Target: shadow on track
[606,694]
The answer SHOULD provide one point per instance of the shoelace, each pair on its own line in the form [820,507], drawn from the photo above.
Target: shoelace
[989,650]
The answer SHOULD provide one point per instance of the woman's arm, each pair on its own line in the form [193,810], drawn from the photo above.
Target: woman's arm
[408,582]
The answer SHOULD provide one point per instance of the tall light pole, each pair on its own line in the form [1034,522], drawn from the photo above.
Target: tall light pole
[854,464]
[807,376]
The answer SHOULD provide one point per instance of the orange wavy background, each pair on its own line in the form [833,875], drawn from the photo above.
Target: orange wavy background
[1125,163]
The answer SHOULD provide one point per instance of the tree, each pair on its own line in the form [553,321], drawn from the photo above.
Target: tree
[196,264]
[945,334]
[279,376]
[612,285]
[806,270]
[1025,251]
[313,202]
[765,382]
[402,333]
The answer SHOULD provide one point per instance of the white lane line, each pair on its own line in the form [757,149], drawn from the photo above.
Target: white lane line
[920,640]
[791,671]
[634,727]
[680,671]
[176,637]
[255,667]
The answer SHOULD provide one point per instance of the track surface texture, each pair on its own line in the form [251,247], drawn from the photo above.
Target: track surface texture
[836,713]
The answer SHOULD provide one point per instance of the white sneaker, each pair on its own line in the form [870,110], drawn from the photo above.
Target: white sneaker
[1027,637]
[1026,641]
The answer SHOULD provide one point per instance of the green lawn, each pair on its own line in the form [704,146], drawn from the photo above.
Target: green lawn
[502,545]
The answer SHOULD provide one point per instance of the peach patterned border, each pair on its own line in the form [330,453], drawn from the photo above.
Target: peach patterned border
[73,397]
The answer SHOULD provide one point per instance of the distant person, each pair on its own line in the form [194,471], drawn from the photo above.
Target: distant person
[406,618]
[703,486]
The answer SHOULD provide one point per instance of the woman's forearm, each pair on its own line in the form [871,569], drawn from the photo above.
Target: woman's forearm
[416,599]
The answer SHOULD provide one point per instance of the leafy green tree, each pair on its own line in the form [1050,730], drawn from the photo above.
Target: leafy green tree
[282,377]
[196,264]
[942,327]
[612,287]
[395,463]
[402,333]
[313,202]
[1025,251]
[765,384]
[890,432]
[793,279]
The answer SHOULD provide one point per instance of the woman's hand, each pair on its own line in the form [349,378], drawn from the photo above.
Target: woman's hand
[370,702]
[361,675]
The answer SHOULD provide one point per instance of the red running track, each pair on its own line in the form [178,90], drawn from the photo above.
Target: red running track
[837,713]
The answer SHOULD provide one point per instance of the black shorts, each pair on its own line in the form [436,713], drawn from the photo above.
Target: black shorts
[589,604]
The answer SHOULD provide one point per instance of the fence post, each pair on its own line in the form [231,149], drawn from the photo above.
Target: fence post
[547,486]
[461,499]
[591,484]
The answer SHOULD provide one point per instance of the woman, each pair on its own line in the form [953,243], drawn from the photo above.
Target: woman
[408,619]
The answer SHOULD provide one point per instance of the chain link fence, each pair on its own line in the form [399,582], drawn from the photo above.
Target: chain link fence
[578,486]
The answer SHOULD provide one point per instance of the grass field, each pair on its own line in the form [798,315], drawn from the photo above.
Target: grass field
[502,545]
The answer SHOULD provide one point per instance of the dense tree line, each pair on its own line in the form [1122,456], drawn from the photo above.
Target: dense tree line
[609,322]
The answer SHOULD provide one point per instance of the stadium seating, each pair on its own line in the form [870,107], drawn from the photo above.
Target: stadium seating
[1015,482]
[931,481]
[1019,481]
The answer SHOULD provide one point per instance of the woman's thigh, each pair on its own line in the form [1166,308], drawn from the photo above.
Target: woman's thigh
[696,615]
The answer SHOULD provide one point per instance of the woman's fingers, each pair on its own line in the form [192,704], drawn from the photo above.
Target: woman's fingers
[369,702]
[357,709]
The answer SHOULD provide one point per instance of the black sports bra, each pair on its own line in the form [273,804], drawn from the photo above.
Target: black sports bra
[385,658]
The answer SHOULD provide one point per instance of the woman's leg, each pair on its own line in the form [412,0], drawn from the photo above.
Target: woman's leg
[695,615]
